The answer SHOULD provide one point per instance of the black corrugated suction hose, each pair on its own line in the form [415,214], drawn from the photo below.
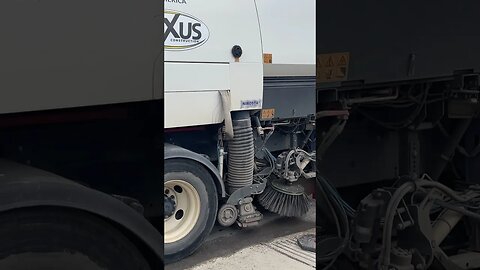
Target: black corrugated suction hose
[240,153]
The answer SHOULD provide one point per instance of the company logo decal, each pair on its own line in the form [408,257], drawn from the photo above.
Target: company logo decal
[183,31]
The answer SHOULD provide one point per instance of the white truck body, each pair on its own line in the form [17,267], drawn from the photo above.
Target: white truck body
[235,72]
[196,70]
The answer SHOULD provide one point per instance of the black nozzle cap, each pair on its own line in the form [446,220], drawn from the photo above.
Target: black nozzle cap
[237,51]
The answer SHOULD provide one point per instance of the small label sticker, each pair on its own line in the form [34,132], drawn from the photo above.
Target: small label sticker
[267,114]
[332,67]
[251,104]
[267,58]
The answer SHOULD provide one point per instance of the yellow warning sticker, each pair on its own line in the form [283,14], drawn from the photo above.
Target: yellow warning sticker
[267,114]
[332,67]
[267,58]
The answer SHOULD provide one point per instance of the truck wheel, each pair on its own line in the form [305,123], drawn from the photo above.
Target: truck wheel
[58,239]
[190,208]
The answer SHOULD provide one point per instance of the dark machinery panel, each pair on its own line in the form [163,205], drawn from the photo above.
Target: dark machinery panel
[401,40]
[346,163]
[68,53]
[287,96]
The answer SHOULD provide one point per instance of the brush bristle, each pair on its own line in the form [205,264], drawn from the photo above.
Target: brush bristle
[284,204]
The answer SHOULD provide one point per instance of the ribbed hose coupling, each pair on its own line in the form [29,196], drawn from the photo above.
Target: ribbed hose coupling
[240,153]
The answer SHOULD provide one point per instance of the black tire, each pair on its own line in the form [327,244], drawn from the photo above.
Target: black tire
[59,239]
[196,175]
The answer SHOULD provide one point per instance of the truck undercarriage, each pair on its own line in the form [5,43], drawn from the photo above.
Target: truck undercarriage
[396,166]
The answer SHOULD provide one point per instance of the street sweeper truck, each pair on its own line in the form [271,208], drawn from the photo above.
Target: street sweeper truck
[239,115]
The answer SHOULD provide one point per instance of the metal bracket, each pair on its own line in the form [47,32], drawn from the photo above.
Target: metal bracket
[241,193]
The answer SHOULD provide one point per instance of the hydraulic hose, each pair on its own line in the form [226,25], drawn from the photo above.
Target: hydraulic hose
[393,205]
[388,225]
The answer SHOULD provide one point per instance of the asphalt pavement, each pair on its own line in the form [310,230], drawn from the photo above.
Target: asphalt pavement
[271,243]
